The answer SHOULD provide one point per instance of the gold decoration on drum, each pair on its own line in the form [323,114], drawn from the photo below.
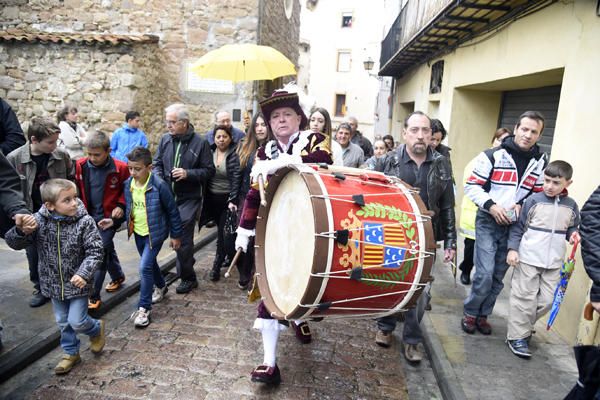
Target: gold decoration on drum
[351,256]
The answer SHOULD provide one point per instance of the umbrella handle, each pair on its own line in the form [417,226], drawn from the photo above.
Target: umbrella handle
[575,244]
[588,312]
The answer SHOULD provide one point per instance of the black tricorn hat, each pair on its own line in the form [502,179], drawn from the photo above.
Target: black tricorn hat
[281,98]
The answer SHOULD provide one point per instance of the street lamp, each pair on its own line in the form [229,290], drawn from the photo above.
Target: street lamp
[368,64]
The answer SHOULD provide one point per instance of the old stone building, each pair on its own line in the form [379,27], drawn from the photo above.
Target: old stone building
[111,56]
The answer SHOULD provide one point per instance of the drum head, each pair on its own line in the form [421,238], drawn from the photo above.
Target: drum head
[289,242]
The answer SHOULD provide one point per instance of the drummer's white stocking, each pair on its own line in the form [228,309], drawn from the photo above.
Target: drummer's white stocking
[270,338]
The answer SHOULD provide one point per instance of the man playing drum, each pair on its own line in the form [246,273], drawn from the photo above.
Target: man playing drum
[291,146]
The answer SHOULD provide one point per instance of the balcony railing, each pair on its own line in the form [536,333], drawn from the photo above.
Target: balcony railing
[391,44]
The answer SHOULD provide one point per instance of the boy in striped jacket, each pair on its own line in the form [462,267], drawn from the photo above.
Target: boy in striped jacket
[536,247]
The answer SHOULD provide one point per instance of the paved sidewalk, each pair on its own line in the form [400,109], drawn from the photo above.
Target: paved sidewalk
[201,346]
[482,367]
[30,332]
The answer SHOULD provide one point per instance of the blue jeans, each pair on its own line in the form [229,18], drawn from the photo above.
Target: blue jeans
[72,318]
[490,265]
[150,274]
[110,263]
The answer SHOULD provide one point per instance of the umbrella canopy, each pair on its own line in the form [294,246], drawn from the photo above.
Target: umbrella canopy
[243,62]
[559,293]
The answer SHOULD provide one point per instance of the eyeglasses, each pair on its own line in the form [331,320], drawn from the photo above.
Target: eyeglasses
[416,129]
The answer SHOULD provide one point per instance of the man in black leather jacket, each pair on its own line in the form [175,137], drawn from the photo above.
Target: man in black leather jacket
[590,244]
[184,160]
[422,167]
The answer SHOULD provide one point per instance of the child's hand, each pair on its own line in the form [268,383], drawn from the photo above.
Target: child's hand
[78,281]
[596,305]
[175,244]
[512,258]
[105,223]
[574,238]
[26,223]
[232,207]
[117,213]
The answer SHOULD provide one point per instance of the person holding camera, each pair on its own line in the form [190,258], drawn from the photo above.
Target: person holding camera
[503,177]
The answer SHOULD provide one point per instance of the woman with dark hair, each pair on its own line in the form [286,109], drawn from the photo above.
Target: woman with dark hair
[72,134]
[258,134]
[223,191]
[438,133]
[320,122]
[389,142]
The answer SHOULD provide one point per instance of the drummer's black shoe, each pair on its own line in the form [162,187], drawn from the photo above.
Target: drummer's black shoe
[266,374]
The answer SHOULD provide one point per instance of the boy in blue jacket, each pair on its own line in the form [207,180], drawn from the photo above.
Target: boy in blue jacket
[536,247]
[127,137]
[151,215]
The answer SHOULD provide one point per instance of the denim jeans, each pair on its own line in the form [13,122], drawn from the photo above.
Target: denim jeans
[411,333]
[490,265]
[150,274]
[72,318]
[110,263]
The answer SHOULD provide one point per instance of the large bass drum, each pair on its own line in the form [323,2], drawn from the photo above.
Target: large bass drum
[335,241]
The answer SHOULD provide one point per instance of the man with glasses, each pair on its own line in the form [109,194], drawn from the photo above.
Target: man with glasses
[184,160]
[417,164]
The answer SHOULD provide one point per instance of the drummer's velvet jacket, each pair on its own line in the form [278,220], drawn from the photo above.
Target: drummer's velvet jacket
[316,150]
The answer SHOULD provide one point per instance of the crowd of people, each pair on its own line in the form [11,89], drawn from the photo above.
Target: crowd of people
[66,192]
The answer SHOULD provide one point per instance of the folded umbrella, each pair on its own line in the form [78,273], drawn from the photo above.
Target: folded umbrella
[559,293]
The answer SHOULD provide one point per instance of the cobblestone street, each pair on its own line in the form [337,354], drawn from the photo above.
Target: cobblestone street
[201,346]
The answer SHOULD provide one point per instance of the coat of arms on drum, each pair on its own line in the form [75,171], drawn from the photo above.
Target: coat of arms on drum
[382,241]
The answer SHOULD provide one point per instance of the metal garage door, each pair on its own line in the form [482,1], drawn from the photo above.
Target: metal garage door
[544,100]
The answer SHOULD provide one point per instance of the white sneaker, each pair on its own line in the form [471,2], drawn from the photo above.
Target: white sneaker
[159,294]
[141,317]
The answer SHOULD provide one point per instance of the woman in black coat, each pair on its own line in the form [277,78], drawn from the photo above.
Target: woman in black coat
[223,191]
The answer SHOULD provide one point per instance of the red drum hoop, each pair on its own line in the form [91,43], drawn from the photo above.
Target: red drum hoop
[335,241]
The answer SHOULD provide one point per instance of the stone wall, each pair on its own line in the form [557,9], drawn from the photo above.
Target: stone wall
[142,77]
[104,82]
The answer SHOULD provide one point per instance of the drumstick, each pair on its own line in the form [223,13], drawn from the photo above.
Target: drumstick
[233,262]
[261,190]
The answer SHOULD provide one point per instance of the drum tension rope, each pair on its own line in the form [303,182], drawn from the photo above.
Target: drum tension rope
[358,199]
[341,236]
[356,273]
[324,306]
[339,176]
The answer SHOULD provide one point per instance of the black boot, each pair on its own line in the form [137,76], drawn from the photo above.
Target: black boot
[215,272]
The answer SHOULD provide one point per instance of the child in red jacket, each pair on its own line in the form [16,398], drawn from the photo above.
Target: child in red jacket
[99,178]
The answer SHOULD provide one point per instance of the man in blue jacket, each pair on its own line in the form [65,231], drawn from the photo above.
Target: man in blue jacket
[127,137]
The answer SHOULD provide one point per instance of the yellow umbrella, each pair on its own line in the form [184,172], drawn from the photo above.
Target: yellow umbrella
[243,62]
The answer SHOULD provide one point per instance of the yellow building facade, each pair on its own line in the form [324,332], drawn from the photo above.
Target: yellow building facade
[558,45]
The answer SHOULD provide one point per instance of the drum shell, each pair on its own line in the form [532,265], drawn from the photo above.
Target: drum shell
[330,257]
